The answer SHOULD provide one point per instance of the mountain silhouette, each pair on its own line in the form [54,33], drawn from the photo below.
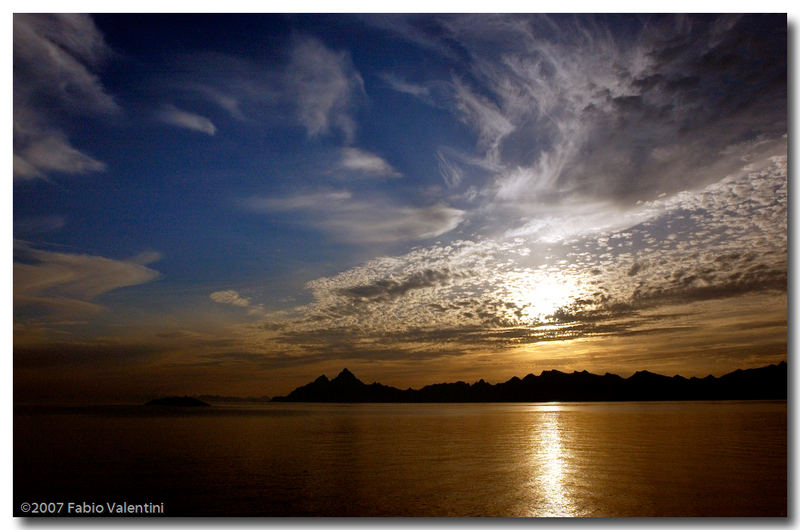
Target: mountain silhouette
[768,382]
[343,388]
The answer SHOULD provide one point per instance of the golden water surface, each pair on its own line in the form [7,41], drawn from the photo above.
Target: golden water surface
[578,459]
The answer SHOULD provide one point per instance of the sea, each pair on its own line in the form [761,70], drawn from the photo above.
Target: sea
[643,459]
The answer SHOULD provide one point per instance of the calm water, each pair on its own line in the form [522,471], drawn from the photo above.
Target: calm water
[579,459]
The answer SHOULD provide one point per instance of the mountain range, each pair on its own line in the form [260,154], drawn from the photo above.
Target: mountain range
[768,382]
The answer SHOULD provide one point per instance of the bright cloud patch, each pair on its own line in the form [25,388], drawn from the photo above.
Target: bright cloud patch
[186,120]
[367,163]
[230,298]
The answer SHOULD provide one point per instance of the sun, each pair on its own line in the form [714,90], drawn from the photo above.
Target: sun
[538,295]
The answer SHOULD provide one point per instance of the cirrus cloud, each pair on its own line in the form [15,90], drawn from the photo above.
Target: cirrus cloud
[325,85]
[54,61]
[366,163]
[172,115]
[62,282]
[363,221]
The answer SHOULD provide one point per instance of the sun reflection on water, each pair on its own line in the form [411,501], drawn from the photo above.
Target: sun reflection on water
[549,466]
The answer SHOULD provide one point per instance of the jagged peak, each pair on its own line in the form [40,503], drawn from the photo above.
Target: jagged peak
[347,388]
[346,375]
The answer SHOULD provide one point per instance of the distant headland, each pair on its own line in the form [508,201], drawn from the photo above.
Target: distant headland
[177,401]
[768,382]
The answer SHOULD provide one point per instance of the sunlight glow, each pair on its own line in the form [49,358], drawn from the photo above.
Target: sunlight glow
[539,294]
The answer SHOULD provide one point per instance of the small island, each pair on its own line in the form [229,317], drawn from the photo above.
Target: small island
[177,401]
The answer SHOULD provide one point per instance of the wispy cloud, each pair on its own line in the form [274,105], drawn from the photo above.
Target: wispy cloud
[303,201]
[376,222]
[325,85]
[354,220]
[366,163]
[406,87]
[491,123]
[58,281]
[450,171]
[571,114]
[228,101]
[187,120]
[54,56]
[47,152]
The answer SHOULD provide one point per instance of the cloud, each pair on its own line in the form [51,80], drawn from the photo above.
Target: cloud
[230,297]
[416,29]
[491,123]
[145,258]
[381,223]
[228,102]
[317,88]
[54,56]
[437,93]
[305,201]
[325,85]
[51,152]
[591,114]
[363,220]
[405,87]
[180,118]
[59,281]
[366,163]
[450,171]
[668,274]
[390,288]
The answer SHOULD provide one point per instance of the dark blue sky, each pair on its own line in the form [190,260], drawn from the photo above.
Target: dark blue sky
[415,193]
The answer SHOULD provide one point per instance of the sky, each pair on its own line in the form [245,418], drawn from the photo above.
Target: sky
[236,204]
